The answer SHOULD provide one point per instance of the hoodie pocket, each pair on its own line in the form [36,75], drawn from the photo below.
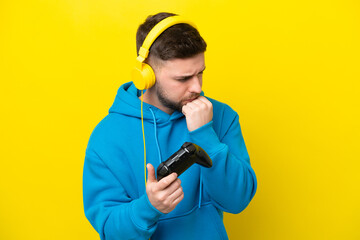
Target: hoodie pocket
[217,222]
[201,223]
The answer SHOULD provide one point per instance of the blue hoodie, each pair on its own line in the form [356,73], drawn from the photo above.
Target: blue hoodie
[115,199]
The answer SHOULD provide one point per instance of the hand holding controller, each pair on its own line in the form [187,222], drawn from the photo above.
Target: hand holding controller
[187,155]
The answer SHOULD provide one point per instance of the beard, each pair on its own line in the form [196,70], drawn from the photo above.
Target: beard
[166,102]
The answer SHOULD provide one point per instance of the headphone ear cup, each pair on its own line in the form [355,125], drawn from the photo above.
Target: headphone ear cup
[143,78]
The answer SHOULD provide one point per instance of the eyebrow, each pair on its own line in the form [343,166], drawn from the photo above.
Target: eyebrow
[188,76]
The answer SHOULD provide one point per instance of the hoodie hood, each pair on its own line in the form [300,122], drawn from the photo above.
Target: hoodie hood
[127,102]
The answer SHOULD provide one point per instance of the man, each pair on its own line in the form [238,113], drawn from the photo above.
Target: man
[117,202]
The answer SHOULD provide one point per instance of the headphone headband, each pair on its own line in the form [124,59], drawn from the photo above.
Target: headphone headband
[156,31]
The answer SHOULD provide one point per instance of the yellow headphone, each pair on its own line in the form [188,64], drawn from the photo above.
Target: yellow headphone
[143,75]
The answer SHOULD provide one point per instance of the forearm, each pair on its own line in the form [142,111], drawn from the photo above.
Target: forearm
[231,182]
[234,177]
[108,207]
[125,221]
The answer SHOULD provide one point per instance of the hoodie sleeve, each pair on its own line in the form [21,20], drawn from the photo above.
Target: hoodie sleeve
[230,182]
[108,207]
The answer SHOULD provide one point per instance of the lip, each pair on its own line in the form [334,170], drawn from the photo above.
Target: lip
[190,100]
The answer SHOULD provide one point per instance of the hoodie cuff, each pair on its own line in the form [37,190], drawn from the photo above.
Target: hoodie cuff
[206,138]
[144,214]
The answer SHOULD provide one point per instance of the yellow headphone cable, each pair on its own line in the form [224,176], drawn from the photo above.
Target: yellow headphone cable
[143,132]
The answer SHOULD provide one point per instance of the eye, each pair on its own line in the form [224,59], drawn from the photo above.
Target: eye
[184,79]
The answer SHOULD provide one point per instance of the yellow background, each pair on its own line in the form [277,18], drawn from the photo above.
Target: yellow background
[289,68]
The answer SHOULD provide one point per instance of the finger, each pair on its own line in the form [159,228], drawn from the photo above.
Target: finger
[185,109]
[194,104]
[205,100]
[176,193]
[151,173]
[178,197]
[189,105]
[173,187]
[201,101]
[166,181]
[202,98]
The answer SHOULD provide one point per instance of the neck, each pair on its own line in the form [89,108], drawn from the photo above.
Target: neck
[151,98]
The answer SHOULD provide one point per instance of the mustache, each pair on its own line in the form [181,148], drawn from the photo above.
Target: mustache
[193,96]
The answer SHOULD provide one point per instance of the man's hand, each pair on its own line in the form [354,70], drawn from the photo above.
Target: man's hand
[198,113]
[165,194]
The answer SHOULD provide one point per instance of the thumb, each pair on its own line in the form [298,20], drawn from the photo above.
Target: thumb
[151,173]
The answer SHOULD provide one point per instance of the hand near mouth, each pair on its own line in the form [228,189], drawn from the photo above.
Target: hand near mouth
[197,113]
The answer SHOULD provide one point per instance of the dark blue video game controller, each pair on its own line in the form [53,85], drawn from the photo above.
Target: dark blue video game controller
[187,155]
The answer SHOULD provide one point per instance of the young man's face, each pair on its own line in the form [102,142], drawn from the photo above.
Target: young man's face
[179,81]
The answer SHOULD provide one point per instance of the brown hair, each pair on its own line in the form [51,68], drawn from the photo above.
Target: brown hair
[178,41]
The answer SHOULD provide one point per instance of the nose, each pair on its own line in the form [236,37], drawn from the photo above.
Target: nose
[196,84]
